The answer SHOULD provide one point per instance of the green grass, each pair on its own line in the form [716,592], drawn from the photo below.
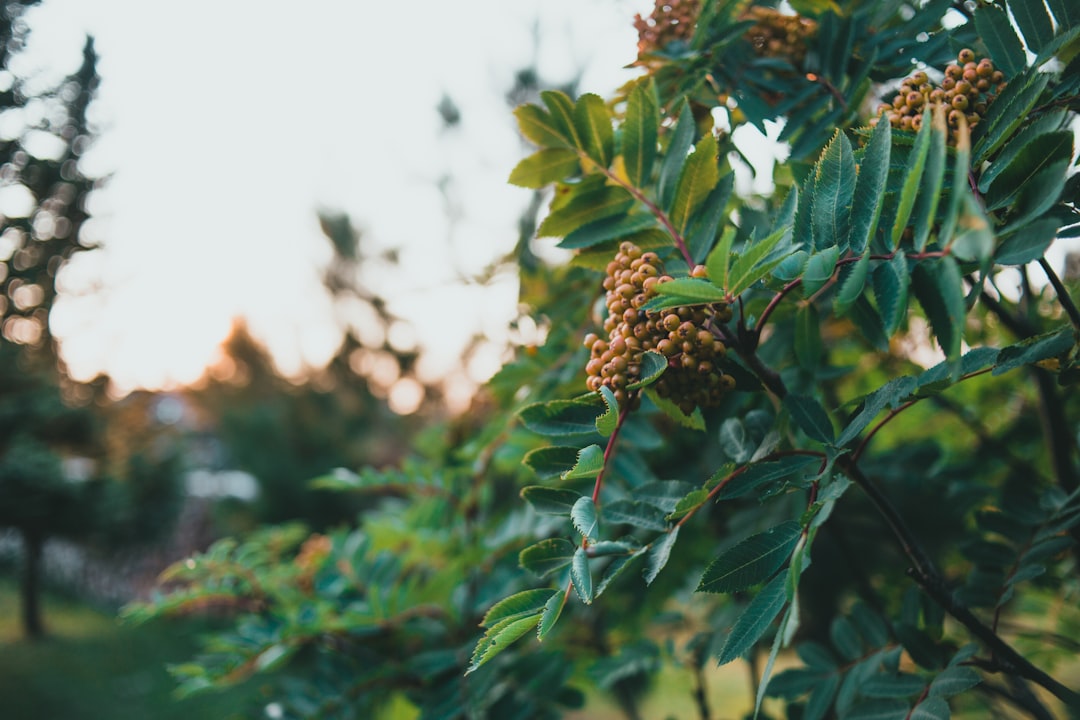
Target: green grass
[90,667]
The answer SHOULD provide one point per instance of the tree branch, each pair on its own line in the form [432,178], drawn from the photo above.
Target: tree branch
[1062,293]
[1006,658]
[924,571]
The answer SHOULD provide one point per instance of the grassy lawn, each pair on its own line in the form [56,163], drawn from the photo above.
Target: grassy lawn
[91,667]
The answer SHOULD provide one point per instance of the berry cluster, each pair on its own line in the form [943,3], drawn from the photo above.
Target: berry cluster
[313,553]
[966,91]
[682,335]
[775,34]
[670,20]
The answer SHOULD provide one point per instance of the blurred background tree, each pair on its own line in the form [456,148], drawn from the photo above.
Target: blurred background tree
[61,472]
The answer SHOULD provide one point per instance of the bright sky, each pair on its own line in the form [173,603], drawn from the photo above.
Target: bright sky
[227,124]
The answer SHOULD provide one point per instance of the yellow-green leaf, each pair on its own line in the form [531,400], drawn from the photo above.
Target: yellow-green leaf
[544,167]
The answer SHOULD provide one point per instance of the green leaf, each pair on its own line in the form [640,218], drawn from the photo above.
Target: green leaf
[939,377]
[870,188]
[547,556]
[755,620]
[552,610]
[699,176]
[953,681]
[1038,155]
[940,291]
[659,552]
[893,686]
[664,494]
[537,125]
[499,637]
[709,217]
[794,682]
[932,708]
[1034,22]
[793,266]
[834,188]
[274,657]
[1008,111]
[994,29]
[821,698]
[609,420]
[808,348]
[639,133]
[961,191]
[734,440]
[585,207]
[693,421]
[675,154]
[549,500]
[974,237]
[1048,132]
[590,461]
[760,474]
[551,462]
[845,639]
[866,319]
[789,623]
[614,227]
[816,656]
[879,710]
[561,418]
[561,108]
[616,568]
[684,291]
[1039,194]
[581,576]
[1065,12]
[653,365]
[852,281]
[636,513]
[751,561]
[892,394]
[891,282]
[688,503]
[912,180]
[925,210]
[593,124]
[819,269]
[1032,350]
[810,417]
[545,167]
[719,261]
[527,602]
[583,515]
[749,267]
[802,233]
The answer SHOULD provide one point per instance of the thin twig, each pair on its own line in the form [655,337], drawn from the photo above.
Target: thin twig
[1005,657]
[1062,293]
[924,572]
[609,450]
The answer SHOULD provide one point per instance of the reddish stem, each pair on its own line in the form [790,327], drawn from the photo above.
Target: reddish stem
[609,450]
[862,446]
[659,214]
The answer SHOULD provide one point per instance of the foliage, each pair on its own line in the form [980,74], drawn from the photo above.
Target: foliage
[128,497]
[897,532]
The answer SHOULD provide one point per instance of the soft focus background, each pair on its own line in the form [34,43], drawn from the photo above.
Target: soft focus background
[225,127]
[243,244]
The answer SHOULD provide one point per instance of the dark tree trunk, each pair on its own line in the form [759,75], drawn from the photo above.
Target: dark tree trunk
[33,544]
